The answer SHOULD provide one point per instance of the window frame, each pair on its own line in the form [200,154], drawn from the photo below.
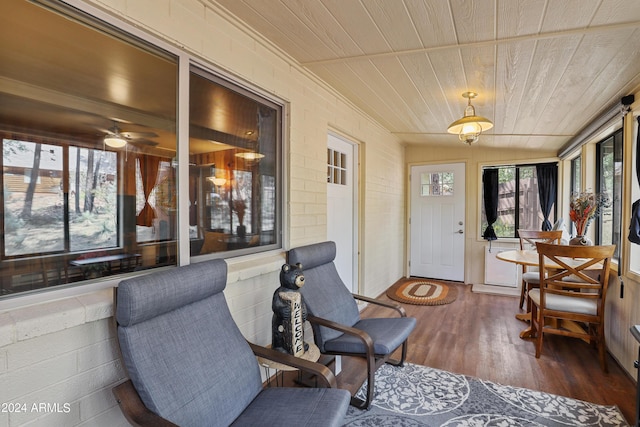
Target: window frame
[99,20]
[65,182]
[634,194]
[280,107]
[516,165]
[616,137]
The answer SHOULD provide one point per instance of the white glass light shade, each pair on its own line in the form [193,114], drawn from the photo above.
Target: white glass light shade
[218,182]
[115,141]
[250,155]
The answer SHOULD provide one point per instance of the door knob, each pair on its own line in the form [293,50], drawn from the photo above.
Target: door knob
[460,232]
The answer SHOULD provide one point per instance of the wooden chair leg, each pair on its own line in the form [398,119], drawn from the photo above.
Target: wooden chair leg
[602,349]
[537,324]
[403,356]
[371,372]
[529,287]
[522,293]
[404,353]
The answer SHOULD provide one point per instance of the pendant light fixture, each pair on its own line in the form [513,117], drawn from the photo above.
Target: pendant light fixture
[470,126]
[218,182]
[114,138]
[115,141]
[250,155]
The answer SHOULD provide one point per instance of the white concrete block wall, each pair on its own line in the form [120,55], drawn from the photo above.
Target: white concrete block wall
[71,365]
[64,351]
[57,363]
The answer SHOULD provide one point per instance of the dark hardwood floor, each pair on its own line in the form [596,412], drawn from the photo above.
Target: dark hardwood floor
[477,335]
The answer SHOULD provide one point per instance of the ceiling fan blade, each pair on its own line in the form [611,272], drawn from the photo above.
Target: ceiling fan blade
[142,141]
[136,135]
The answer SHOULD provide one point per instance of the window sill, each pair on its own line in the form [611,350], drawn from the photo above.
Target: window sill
[634,275]
[249,266]
[30,316]
[32,321]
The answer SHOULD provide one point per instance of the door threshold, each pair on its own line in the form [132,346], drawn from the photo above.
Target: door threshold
[495,290]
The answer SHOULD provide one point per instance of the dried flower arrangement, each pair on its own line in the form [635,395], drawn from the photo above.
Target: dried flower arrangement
[239,207]
[585,207]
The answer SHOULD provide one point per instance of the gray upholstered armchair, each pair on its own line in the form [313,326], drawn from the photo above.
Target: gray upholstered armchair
[335,318]
[189,364]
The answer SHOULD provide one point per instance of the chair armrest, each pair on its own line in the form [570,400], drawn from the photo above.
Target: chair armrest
[363,336]
[390,305]
[323,373]
[133,408]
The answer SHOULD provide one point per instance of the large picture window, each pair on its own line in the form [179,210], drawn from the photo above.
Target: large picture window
[518,201]
[234,168]
[76,121]
[90,160]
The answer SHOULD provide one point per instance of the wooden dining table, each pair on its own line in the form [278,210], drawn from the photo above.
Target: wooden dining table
[527,258]
[520,256]
[530,258]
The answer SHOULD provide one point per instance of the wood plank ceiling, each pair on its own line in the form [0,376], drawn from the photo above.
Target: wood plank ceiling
[543,68]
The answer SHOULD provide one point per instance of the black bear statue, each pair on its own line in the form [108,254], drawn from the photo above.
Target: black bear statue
[289,312]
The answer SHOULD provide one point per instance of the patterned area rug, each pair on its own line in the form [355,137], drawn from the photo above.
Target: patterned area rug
[422,292]
[417,395]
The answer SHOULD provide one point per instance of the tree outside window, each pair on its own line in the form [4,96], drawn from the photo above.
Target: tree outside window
[518,201]
[609,182]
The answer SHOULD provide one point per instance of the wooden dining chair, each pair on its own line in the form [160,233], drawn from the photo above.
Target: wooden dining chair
[571,298]
[530,275]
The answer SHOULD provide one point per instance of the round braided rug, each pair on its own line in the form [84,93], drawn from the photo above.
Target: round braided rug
[422,292]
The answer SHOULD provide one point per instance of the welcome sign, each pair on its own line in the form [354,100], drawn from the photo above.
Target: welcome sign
[294,333]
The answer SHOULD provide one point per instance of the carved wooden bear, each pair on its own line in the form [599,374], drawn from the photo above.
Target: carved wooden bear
[289,312]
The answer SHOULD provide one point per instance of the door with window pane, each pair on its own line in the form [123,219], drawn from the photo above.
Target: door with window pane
[437,222]
[342,207]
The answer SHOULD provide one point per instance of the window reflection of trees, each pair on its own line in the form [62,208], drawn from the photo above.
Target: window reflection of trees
[34,202]
[518,201]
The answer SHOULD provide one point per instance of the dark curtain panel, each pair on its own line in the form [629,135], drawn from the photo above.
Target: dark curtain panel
[547,189]
[149,166]
[638,152]
[490,187]
[634,226]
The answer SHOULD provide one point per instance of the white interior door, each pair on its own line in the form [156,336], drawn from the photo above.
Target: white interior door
[342,207]
[437,223]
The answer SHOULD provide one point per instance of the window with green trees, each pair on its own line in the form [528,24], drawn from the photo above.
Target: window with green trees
[609,184]
[518,201]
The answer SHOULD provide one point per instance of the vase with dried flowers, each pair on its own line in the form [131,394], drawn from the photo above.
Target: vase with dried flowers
[583,209]
[239,207]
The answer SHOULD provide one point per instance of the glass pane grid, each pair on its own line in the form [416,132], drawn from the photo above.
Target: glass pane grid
[437,184]
[336,167]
